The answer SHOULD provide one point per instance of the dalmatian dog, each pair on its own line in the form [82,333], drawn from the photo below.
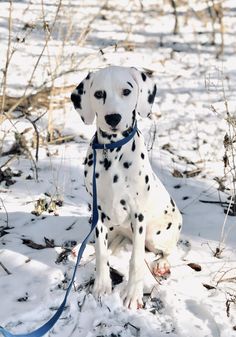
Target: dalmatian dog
[132,201]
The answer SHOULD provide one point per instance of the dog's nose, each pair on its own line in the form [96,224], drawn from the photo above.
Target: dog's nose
[113,119]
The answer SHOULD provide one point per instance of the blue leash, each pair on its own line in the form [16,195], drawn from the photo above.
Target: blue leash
[49,324]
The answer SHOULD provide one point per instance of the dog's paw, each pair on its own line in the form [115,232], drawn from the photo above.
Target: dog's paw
[102,286]
[132,296]
[160,267]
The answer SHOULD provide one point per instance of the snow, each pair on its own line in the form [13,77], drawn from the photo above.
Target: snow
[188,136]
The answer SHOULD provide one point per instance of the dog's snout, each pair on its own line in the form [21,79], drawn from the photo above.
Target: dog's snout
[113,119]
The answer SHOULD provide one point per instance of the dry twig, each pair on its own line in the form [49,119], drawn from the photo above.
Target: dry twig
[5,268]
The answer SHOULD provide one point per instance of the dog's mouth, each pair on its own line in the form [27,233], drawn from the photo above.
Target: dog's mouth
[114,131]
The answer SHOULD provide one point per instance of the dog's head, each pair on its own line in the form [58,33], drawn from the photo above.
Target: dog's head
[114,95]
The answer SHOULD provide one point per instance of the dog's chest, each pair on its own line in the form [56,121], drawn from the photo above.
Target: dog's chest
[123,178]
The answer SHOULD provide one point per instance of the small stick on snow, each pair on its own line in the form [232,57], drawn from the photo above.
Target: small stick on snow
[134,327]
[4,268]
[222,236]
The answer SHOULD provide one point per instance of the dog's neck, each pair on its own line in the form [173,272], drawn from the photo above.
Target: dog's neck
[104,137]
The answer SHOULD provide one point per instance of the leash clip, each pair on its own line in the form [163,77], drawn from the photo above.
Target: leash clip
[105,152]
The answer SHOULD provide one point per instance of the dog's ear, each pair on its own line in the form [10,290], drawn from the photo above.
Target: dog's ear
[146,92]
[81,100]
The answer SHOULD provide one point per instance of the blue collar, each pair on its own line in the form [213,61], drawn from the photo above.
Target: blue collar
[119,143]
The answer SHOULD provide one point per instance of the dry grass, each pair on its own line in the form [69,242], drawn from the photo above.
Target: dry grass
[35,102]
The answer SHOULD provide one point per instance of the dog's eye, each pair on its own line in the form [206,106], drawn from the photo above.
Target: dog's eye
[126,92]
[98,94]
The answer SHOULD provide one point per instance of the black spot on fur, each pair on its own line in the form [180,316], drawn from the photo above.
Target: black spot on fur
[133,116]
[185,198]
[115,178]
[151,96]
[140,217]
[165,211]
[179,227]
[133,146]
[80,88]
[104,96]
[130,84]
[140,229]
[111,228]
[120,157]
[85,173]
[127,164]
[85,161]
[99,208]
[118,149]
[90,156]
[90,162]
[122,202]
[97,175]
[158,232]
[144,77]
[142,155]
[88,76]
[76,99]
[177,186]
[107,164]
[132,228]
[97,232]
[173,209]
[126,132]
[148,187]
[172,202]
[169,225]
[106,237]
[146,179]
[105,135]
[103,217]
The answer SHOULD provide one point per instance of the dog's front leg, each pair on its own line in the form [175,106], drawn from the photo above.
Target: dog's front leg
[102,284]
[134,292]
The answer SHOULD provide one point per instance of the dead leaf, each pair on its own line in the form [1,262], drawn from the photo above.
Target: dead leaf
[208,286]
[32,244]
[195,266]
[177,174]
[38,246]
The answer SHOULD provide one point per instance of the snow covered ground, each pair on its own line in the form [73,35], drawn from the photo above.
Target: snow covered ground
[185,139]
